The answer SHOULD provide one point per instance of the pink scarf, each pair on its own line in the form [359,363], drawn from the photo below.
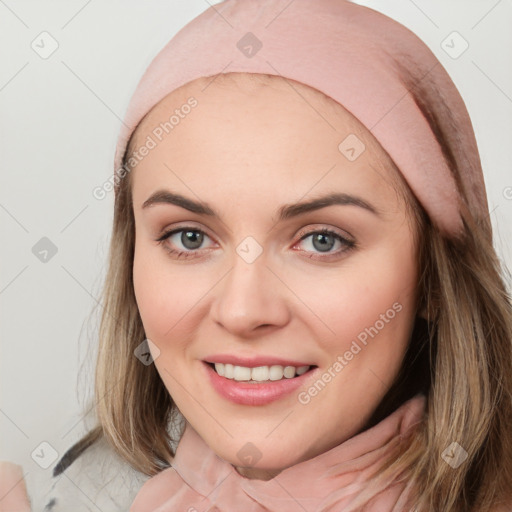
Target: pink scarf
[200,481]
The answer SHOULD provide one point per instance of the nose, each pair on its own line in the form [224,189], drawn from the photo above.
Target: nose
[251,299]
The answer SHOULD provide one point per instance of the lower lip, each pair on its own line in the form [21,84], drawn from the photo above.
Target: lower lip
[244,393]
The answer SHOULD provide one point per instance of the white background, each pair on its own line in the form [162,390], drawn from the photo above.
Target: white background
[59,120]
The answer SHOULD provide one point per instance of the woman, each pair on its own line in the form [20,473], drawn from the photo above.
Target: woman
[302,280]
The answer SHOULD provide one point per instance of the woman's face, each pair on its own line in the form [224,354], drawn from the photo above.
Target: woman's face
[251,275]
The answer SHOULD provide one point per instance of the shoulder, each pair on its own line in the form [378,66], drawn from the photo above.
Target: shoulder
[97,480]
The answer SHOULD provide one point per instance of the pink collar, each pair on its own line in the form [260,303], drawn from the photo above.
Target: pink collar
[199,480]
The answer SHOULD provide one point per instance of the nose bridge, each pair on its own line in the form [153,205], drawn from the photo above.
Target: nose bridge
[250,295]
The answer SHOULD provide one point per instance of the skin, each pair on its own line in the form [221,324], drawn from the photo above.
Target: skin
[13,488]
[248,149]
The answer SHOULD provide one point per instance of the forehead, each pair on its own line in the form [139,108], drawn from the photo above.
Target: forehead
[278,96]
[259,129]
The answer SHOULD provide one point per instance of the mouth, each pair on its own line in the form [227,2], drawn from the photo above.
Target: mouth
[257,385]
[259,374]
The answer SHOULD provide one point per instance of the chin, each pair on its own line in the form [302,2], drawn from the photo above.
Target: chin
[261,463]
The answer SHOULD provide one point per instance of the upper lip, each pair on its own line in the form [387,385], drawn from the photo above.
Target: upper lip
[254,361]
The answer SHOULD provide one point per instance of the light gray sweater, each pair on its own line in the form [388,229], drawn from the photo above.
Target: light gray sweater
[97,481]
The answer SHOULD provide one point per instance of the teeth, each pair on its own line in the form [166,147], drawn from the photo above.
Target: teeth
[259,373]
[288,372]
[241,373]
[276,372]
[229,371]
[302,369]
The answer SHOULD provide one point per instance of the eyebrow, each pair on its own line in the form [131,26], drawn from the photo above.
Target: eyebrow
[286,211]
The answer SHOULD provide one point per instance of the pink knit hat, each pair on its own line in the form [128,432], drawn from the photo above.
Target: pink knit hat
[375,67]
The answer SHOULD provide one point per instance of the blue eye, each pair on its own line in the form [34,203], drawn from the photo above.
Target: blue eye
[192,238]
[324,240]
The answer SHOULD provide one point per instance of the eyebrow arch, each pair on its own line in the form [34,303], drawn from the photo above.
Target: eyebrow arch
[286,211]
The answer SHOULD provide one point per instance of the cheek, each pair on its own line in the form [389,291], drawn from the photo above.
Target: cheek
[162,294]
[369,302]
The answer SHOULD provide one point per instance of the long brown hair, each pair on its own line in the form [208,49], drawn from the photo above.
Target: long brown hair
[460,357]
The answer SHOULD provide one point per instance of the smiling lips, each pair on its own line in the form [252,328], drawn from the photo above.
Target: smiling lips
[256,392]
[255,381]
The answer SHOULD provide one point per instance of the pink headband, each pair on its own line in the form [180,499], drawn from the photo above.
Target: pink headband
[362,59]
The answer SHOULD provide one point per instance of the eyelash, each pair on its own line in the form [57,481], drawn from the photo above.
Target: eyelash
[187,254]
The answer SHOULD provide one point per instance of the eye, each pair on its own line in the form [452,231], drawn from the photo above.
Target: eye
[324,240]
[192,238]
[189,237]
